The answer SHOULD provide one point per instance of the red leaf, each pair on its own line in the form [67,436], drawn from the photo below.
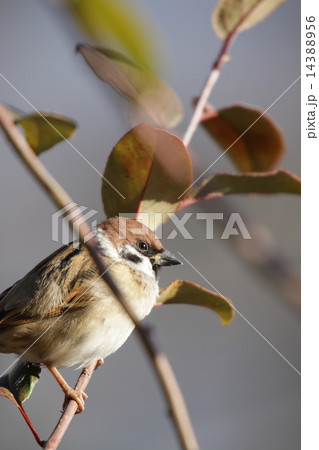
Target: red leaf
[275,182]
[248,136]
[140,85]
[151,168]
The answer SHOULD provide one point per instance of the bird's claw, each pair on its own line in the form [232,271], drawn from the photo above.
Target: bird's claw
[78,396]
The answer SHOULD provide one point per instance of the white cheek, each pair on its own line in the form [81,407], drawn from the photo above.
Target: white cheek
[108,250]
[106,245]
[146,267]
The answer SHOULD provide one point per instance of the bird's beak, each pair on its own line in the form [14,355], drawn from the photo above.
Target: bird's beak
[165,259]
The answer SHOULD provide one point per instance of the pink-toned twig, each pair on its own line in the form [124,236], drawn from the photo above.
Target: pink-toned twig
[67,415]
[214,75]
[207,89]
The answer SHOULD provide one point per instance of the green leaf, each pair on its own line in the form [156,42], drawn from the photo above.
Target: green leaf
[238,15]
[119,23]
[248,136]
[275,182]
[44,131]
[151,168]
[19,383]
[187,293]
[141,86]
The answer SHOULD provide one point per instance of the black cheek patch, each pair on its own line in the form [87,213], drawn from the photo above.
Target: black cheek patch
[134,258]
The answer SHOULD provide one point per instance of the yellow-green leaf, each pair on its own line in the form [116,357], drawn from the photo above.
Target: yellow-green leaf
[140,85]
[151,168]
[46,130]
[187,293]
[238,15]
[118,23]
[249,137]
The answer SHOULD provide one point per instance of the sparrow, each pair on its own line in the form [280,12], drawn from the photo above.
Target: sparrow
[62,313]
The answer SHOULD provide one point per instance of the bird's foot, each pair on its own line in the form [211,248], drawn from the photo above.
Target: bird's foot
[76,395]
[70,393]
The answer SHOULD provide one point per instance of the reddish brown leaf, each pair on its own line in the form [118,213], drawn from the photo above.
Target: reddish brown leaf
[248,136]
[141,86]
[5,392]
[275,182]
[150,168]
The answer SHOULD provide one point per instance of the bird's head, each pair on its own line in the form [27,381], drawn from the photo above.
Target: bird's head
[133,243]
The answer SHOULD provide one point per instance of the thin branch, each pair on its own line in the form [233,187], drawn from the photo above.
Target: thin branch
[208,87]
[68,414]
[214,75]
[160,363]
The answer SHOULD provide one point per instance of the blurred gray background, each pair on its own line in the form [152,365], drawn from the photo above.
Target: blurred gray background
[241,394]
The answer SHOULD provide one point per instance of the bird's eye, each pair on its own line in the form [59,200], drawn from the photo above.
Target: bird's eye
[142,246]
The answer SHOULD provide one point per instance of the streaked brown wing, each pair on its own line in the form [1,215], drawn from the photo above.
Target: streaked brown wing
[49,288]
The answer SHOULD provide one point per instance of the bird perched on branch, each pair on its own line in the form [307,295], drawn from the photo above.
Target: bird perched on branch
[62,313]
